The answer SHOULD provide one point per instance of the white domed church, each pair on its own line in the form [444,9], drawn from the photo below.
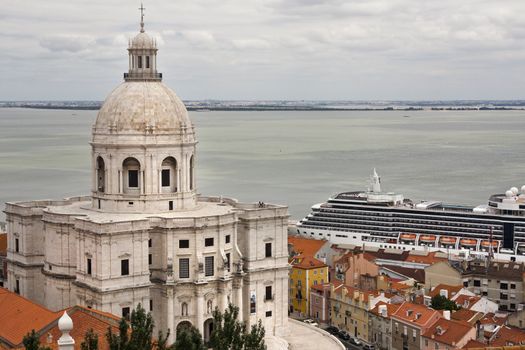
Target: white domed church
[145,235]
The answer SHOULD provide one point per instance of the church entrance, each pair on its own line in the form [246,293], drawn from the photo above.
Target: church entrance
[183,326]
[208,329]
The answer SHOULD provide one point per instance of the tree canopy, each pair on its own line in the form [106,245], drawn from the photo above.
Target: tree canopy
[440,302]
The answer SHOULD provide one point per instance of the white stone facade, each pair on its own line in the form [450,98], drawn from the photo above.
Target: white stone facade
[144,235]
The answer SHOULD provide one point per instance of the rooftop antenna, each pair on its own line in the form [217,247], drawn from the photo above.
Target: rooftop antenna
[142,8]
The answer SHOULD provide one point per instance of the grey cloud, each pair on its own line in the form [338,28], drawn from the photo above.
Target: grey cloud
[67,43]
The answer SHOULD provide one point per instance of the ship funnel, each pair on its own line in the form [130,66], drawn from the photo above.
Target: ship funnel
[375,182]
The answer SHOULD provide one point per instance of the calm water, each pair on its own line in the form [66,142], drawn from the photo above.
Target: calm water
[294,158]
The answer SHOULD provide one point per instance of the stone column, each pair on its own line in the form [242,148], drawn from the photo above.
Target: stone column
[223,300]
[237,289]
[170,316]
[200,310]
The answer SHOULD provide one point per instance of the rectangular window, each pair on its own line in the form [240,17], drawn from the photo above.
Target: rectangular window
[268,250]
[170,205]
[512,286]
[17,287]
[268,314]
[228,262]
[140,62]
[124,267]
[17,245]
[165,177]
[150,259]
[89,267]
[228,237]
[150,243]
[125,313]
[477,283]
[503,286]
[268,293]
[133,178]
[209,269]
[208,242]
[184,243]
[147,61]
[184,268]
[151,305]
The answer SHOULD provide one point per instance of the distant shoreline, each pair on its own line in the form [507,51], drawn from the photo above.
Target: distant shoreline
[290,109]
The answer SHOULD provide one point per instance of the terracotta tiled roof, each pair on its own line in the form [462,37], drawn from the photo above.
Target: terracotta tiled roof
[18,316]
[390,308]
[305,246]
[466,315]
[491,318]
[474,344]
[429,259]
[307,262]
[414,313]
[417,274]
[466,301]
[448,332]
[83,320]
[508,336]
[350,292]
[452,290]
[3,243]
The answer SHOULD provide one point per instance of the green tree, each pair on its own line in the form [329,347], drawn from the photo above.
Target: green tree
[230,334]
[440,302]
[90,341]
[189,339]
[31,341]
[137,335]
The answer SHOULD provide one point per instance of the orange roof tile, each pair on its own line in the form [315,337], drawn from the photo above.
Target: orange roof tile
[307,262]
[350,292]
[466,315]
[508,336]
[19,316]
[390,308]
[491,318]
[448,332]
[409,312]
[305,246]
[474,344]
[452,290]
[3,243]
[466,301]
[430,259]
[83,320]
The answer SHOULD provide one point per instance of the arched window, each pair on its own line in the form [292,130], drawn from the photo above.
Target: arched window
[191,173]
[168,178]
[209,306]
[101,175]
[184,309]
[131,176]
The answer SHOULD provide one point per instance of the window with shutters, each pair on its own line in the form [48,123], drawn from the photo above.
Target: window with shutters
[184,268]
[208,266]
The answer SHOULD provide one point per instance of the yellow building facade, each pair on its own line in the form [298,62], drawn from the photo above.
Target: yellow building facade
[305,273]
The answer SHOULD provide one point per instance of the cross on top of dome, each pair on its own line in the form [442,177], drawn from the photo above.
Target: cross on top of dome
[142,8]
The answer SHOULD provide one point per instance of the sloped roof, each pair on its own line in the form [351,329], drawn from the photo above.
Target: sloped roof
[452,290]
[491,318]
[448,332]
[305,246]
[466,315]
[430,258]
[390,308]
[307,262]
[466,301]
[408,312]
[417,274]
[508,336]
[18,316]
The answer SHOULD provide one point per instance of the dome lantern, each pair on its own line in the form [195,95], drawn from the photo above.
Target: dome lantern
[142,56]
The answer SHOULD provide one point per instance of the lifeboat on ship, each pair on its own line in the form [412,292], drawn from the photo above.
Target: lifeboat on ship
[427,239]
[448,241]
[468,243]
[407,237]
[486,244]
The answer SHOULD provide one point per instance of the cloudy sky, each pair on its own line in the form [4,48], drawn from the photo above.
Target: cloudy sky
[270,49]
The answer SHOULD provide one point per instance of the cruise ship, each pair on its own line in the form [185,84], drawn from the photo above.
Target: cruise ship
[388,220]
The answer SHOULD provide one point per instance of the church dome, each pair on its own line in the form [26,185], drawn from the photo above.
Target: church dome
[143,107]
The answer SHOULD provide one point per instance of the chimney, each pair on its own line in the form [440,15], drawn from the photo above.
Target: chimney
[383,310]
[444,292]
[65,325]
[446,314]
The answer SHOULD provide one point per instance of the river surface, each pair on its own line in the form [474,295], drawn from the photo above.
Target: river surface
[293,158]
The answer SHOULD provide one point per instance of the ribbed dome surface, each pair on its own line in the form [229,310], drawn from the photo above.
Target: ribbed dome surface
[143,41]
[141,107]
